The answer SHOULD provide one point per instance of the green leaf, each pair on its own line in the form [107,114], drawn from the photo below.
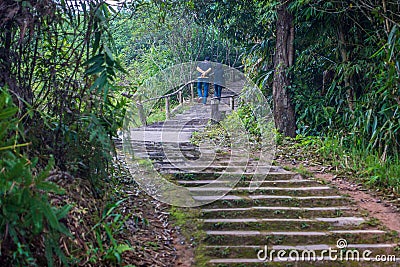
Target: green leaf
[95,68]
[61,213]
[49,214]
[121,248]
[100,82]
[95,59]
[8,112]
[108,52]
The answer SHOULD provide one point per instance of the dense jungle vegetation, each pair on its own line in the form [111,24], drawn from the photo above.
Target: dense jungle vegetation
[331,70]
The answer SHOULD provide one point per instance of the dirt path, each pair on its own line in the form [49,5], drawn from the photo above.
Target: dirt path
[384,211]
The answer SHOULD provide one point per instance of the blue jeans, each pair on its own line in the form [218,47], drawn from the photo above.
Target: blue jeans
[200,85]
[217,91]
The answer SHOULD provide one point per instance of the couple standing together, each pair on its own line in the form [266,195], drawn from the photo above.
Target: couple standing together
[203,80]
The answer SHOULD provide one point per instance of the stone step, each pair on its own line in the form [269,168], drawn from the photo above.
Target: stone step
[273,175]
[175,153]
[186,119]
[170,129]
[177,157]
[249,237]
[193,168]
[285,262]
[278,212]
[241,201]
[312,250]
[282,224]
[280,183]
[217,171]
[161,144]
[266,191]
[237,166]
[214,160]
[158,156]
[156,136]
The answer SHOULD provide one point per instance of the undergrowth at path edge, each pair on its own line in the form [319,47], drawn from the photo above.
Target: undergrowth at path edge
[369,168]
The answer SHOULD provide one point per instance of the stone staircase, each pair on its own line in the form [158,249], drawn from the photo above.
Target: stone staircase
[285,217]
[287,214]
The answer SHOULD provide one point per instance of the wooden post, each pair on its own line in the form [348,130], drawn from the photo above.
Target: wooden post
[232,102]
[192,91]
[180,98]
[167,110]
[215,116]
[142,115]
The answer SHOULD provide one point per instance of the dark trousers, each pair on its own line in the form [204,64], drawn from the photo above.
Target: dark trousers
[217,91]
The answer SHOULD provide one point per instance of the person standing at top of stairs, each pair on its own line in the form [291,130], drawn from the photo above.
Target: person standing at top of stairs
[219,81]
[203,68]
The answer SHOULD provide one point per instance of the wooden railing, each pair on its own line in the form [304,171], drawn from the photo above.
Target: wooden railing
[179,93]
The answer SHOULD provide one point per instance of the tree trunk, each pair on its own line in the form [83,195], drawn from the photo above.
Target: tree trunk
[285,118]
[345,59]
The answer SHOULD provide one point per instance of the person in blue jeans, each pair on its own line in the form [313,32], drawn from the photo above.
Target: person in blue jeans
[219,81]
[204,68]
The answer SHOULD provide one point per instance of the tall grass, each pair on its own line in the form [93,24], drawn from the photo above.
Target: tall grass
[369,166]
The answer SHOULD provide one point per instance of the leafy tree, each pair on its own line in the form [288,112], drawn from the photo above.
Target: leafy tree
[250,21]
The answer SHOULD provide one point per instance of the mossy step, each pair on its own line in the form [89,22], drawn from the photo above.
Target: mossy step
[244,183]
[171,149]
[306,251]
[240,201]
[271,176]
[161,156]
[267,191]
[233,162]
[237,167]
[231,170]
[295,237]
[177,129]
[178,159]
[278,212]
[254,262]
[284,224]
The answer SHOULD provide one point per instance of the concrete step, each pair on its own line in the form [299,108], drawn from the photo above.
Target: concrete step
[265,191]
[244,183]
[278,212]
[273,175]
[244,201]
[218,172]
[286,261]
[305,251]
[283,224]
[304,237]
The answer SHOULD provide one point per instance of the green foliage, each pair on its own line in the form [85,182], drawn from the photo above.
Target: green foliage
[249,120]
[26,211]
[179,216]
[148,45]
[345,80]
[214,133]
[63,74]
[353,161]
[110,224]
